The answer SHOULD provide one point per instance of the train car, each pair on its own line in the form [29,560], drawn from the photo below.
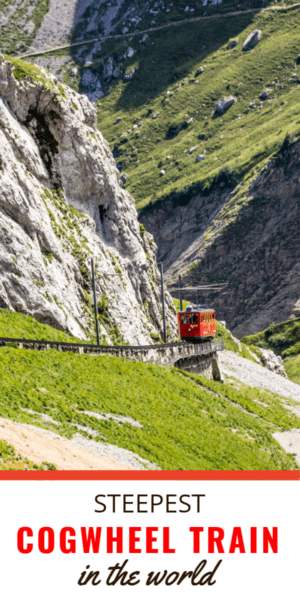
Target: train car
[197,323]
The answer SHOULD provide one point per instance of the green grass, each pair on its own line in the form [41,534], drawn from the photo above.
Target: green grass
[23,69]
[248,139]
[189,422]
[292,368]
[177,304]
[282,338]
[20,326]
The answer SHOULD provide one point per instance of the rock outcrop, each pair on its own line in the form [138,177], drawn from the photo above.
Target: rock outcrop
[252,39]
[273,363]
[224,104]
[61,203]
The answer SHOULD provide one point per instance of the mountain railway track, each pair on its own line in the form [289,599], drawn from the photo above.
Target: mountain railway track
[197,357]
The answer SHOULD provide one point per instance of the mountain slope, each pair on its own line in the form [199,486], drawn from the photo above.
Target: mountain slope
[174,420]
[61,204]
[160,116]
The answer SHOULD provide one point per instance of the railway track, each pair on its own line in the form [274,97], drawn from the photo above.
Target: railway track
[160,354]
[4,341]
[192,357]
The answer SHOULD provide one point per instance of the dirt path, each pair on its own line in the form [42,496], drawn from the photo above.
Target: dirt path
[152,29]
[290,441]
[43,446]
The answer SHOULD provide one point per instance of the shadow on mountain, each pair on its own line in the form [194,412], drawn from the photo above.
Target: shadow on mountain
[168,55]
[172,54]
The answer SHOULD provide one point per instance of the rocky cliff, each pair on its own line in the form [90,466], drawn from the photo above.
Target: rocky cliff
[61,203]
[248,237]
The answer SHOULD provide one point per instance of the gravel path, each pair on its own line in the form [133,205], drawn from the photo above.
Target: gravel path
[254,375]
[41,445]
[290,441]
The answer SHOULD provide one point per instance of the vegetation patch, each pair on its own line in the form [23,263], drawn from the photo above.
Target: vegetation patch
[282,338]
[20,326]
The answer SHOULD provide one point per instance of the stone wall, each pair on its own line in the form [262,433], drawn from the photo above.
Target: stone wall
[196,358]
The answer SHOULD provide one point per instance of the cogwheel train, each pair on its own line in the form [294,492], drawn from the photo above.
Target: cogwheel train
[197,323]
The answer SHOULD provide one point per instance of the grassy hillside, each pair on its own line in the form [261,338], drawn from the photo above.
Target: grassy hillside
[187,422]
[166,83]
[283,339]
[292,367]
[17,325]
[221,426]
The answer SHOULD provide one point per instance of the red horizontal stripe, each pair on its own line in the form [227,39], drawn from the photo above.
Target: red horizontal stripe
[149,475]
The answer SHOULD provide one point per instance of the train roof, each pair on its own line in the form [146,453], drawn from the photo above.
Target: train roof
[196,308]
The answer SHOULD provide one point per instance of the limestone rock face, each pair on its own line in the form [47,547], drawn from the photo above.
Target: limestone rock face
[61,203]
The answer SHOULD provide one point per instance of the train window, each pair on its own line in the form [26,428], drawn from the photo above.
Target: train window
[194,318]
[184,319]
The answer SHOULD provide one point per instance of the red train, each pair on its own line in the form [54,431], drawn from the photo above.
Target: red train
[197,323]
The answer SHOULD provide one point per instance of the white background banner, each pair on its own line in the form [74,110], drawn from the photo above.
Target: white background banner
[199,539]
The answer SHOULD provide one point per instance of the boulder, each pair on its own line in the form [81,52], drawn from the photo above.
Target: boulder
[223,105]
[175,129]
[264,95]
[199,157]
[298,60]
[116,72]
[118,119]
[144,39]
[163,172]
[232,44]
[199,71]
[108,69]
[155,115]
[192,149]
[74,72]
[252,39]
[124,178]
[130,52]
